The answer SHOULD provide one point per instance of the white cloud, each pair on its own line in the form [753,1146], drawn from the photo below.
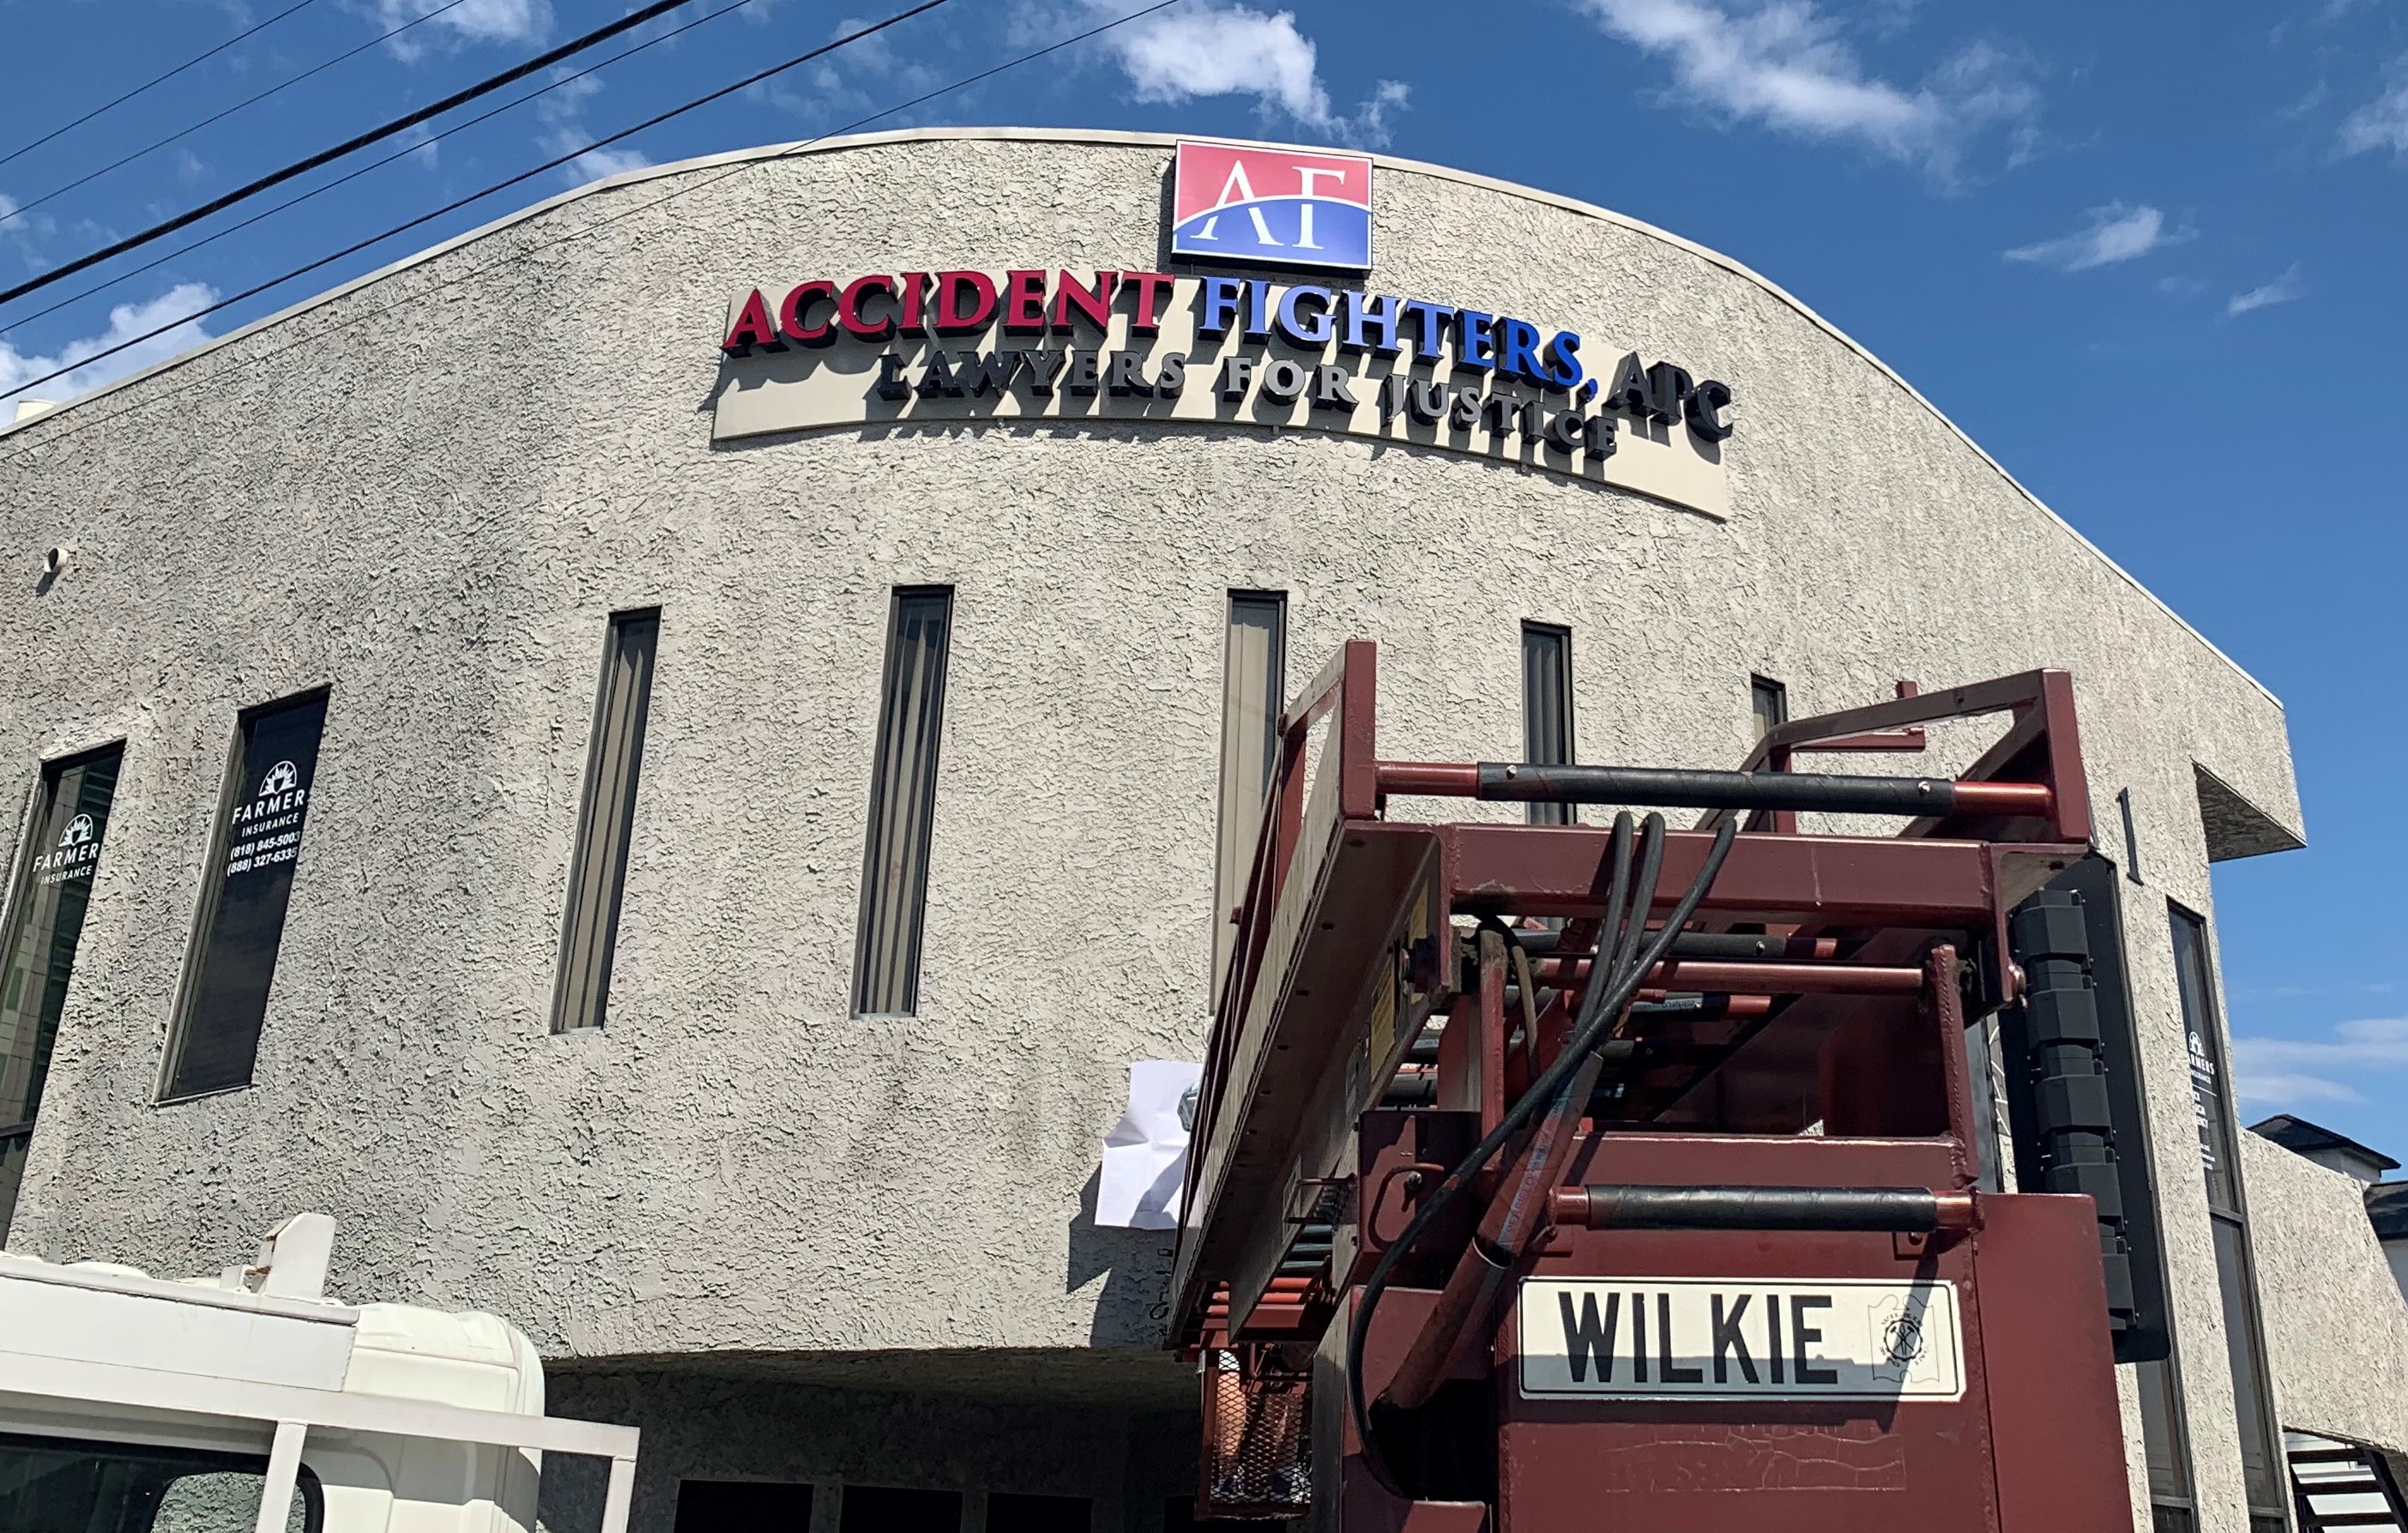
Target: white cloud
[125,321]
[2383,122]
[563,113]
[1783,63]
[835,88]
[469,22]
[601,163]
[24,232]
[2115,233]
[2280,1089]
[1210,48]
[2282,290]
[2280,1072]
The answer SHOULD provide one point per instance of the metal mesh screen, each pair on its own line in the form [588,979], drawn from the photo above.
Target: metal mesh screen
[1257,1458]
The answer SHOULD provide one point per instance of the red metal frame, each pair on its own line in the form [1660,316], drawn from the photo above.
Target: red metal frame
[1347,951]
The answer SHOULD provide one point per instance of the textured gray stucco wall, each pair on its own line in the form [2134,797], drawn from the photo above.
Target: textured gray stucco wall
[430,490]
[2336,1326]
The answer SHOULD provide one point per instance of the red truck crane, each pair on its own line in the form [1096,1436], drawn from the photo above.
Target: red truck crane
[1570,1176]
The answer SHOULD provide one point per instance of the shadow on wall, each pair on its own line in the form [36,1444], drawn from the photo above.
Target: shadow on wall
[1134,1308]
[572,1492]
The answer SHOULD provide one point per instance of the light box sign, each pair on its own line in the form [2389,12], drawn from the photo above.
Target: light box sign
[1155,346]
[1288,207]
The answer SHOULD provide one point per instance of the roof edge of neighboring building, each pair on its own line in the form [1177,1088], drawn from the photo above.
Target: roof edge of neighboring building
[2301,1136]
[54,419]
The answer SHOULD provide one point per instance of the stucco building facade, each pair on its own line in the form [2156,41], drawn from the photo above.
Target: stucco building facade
[815,1217]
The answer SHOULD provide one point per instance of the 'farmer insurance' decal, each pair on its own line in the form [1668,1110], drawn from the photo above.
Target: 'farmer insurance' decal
[1740,1338]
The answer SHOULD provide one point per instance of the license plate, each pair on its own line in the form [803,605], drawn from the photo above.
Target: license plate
[1724,1339]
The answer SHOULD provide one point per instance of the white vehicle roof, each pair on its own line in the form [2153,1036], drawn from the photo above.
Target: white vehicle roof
[99,1349]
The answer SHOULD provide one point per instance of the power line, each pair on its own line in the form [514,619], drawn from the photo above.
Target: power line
[212,237]
[398,124]
[604,222]
[457,204]
[22,209]
[161,80]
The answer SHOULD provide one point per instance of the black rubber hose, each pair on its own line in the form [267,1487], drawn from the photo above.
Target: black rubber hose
[1598,1014]
[1611,950]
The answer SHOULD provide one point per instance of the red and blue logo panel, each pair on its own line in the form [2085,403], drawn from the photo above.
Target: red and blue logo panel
[1286,206]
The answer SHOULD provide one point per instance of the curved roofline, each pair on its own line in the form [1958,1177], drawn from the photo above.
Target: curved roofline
[1159,140]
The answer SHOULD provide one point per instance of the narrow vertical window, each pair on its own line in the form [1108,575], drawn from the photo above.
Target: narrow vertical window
[1254,690]
[2165,1439]
[37,945]
[902,804]
[1770,701]
[1547,709]
[2261,1459]
[269,783]
[597,868]
[2132,836]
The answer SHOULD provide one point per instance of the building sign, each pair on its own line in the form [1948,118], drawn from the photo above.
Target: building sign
[1283,206]
[1839,1338]
[75,855]
[1155,346]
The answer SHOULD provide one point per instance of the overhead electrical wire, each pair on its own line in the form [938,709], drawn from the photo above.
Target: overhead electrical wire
[214,236]
[24,207]
[161,79]
[399,124]
[553,164]
[604,221]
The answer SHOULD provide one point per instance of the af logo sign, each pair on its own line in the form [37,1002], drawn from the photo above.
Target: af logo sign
[1276,205]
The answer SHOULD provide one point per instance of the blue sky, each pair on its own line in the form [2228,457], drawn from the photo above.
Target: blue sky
[2148,256]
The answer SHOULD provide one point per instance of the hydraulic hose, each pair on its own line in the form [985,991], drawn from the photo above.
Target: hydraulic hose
[1624,957]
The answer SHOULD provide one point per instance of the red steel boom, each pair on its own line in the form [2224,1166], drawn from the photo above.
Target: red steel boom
[1585,1176]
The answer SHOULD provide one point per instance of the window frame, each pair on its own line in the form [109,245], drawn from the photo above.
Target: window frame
[608,735]
[1233,852]
[1761,689]
[18,904]
[308,1488]
[1558,635]
[2244,1334]
[17,892]
[212,891]
[884,777]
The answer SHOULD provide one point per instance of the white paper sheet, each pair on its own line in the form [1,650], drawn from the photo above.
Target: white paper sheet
[1145,1155]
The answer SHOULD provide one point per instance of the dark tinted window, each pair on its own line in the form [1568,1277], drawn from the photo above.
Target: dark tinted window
[2244,1336]
[880,1509]
[1547,709]
[1770,701]
[902,804]
[2164,1435]
[1253,678]
[597,875]
[2196,983]
[1013,1513]
[250,868]
[64,1485]
[742,1506]
[45,921]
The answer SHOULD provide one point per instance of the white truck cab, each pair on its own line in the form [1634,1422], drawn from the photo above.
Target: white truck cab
[251,1403]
